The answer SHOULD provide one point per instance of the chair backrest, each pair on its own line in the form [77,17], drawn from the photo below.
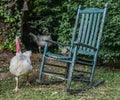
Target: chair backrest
[89,26]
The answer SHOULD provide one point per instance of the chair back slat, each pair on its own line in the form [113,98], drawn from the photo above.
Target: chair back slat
[84,29]
[92,29]
[88,30]
[96,30]
[81,28]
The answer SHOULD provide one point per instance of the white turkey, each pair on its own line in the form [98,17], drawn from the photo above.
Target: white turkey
[20,64]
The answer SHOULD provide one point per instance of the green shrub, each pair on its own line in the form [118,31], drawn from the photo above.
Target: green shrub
[110,48]
[11,17]
[59,17]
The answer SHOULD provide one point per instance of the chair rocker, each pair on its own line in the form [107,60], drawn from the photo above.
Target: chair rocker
[84,47]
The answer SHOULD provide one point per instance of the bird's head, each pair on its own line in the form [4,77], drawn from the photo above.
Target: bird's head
[17,45]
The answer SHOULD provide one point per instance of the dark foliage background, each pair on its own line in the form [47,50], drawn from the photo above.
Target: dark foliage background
[58,16]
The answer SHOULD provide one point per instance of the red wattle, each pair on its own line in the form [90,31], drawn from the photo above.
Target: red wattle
[17,46]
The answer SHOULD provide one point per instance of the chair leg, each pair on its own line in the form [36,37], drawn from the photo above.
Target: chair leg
[92,72]
[71,71]
[70,77]
[67,70]
[41,69]
[42,64]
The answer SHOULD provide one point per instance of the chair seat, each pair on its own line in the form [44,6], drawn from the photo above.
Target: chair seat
[65,57]
[57,56]
[85,52]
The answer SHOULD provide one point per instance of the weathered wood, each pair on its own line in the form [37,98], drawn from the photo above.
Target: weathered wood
[84,47]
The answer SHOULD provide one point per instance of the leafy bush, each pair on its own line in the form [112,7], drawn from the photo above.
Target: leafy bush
[11,17]
[110,48]
[59,17]
[43,14]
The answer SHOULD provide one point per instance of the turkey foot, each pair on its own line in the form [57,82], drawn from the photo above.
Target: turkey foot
[15,90]
[28,83]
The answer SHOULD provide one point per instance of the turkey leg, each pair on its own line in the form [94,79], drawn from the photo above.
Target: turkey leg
[16,88]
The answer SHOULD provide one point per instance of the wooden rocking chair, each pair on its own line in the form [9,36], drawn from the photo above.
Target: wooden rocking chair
[84,47]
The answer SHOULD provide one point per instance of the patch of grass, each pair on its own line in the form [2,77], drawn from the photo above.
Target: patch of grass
[1,47]
[107,91]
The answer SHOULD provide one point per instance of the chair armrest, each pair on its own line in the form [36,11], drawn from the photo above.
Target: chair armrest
[84,45]
[56,43]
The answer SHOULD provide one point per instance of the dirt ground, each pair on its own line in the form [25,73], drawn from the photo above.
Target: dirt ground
[36,58]
[5,57]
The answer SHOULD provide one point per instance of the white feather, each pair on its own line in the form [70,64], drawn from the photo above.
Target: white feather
[21,64]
